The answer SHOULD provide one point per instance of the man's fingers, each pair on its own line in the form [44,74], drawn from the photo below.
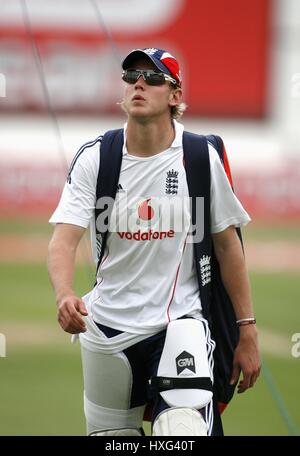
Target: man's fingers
[235,374]
[243,385]
[81,308]
[249,364]
[70,327]
[69,315]
[75,309]
[74,330]
[70,320]
[253,380]
[254,377]
[248,381]
[75,317]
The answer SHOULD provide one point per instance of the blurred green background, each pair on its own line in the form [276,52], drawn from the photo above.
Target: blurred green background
[40,377]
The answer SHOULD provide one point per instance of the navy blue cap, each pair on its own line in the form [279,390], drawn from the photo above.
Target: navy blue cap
[164,61]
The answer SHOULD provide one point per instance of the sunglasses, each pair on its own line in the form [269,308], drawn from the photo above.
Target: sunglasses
[151,77]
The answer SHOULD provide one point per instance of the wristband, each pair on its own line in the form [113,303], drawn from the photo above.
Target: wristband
[246,321]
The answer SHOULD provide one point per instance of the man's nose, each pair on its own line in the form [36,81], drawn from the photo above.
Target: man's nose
[140,82]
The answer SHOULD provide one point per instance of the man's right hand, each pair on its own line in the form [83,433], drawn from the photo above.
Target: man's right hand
[70,309]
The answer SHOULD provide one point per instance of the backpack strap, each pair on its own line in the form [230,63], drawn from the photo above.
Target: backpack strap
[217,143]
[216,304]
[197,167]
[107,182]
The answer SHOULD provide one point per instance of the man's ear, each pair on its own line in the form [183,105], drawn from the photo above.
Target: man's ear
[175,97]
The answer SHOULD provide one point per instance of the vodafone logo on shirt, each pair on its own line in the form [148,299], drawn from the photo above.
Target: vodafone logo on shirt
[146,216]
[145,210]
[146,235]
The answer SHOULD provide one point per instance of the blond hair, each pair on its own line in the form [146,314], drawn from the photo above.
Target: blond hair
[178,110]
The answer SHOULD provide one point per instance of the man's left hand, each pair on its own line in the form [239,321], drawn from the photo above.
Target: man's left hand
[246,359]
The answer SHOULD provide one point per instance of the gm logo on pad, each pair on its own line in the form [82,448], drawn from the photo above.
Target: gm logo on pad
[185,361]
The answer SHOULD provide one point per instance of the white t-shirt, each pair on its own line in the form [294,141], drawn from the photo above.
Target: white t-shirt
[147,275]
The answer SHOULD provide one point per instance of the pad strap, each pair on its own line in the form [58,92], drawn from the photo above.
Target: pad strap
[169,383]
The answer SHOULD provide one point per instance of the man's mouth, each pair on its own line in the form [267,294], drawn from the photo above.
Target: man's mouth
[138,97]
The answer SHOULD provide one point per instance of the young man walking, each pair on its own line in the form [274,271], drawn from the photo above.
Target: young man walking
[146,305]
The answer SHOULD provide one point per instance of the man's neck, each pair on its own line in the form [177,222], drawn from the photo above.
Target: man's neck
[149,138]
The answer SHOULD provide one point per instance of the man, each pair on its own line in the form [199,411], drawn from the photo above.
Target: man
[146,299]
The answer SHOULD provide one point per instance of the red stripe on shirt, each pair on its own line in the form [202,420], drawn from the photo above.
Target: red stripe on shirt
[102,261]
[227,167]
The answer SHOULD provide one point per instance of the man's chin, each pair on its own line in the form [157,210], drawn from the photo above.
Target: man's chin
[138,114]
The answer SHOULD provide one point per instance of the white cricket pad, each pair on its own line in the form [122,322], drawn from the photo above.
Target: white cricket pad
[185,357]
[179,421]
[107,390]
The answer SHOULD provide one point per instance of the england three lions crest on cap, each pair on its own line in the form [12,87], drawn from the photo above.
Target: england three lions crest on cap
[150,51]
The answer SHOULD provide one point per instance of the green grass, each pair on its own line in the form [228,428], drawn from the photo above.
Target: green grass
[256,412]
[26,292]
[41,387]
[276,298]
[25,226]
[276,231]
[41,392]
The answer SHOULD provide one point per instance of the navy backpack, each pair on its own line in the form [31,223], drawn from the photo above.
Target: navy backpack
[216,304]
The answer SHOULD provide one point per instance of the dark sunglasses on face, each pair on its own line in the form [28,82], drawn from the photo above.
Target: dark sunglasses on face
[151,77]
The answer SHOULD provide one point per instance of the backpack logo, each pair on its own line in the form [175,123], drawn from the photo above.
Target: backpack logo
[185,361]
[172,182]
[205,269]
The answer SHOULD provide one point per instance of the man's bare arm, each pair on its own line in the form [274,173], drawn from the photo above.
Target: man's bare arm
[61,263]
[235,278]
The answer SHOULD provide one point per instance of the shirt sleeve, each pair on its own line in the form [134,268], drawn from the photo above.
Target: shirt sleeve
[226,209]
[78,199]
